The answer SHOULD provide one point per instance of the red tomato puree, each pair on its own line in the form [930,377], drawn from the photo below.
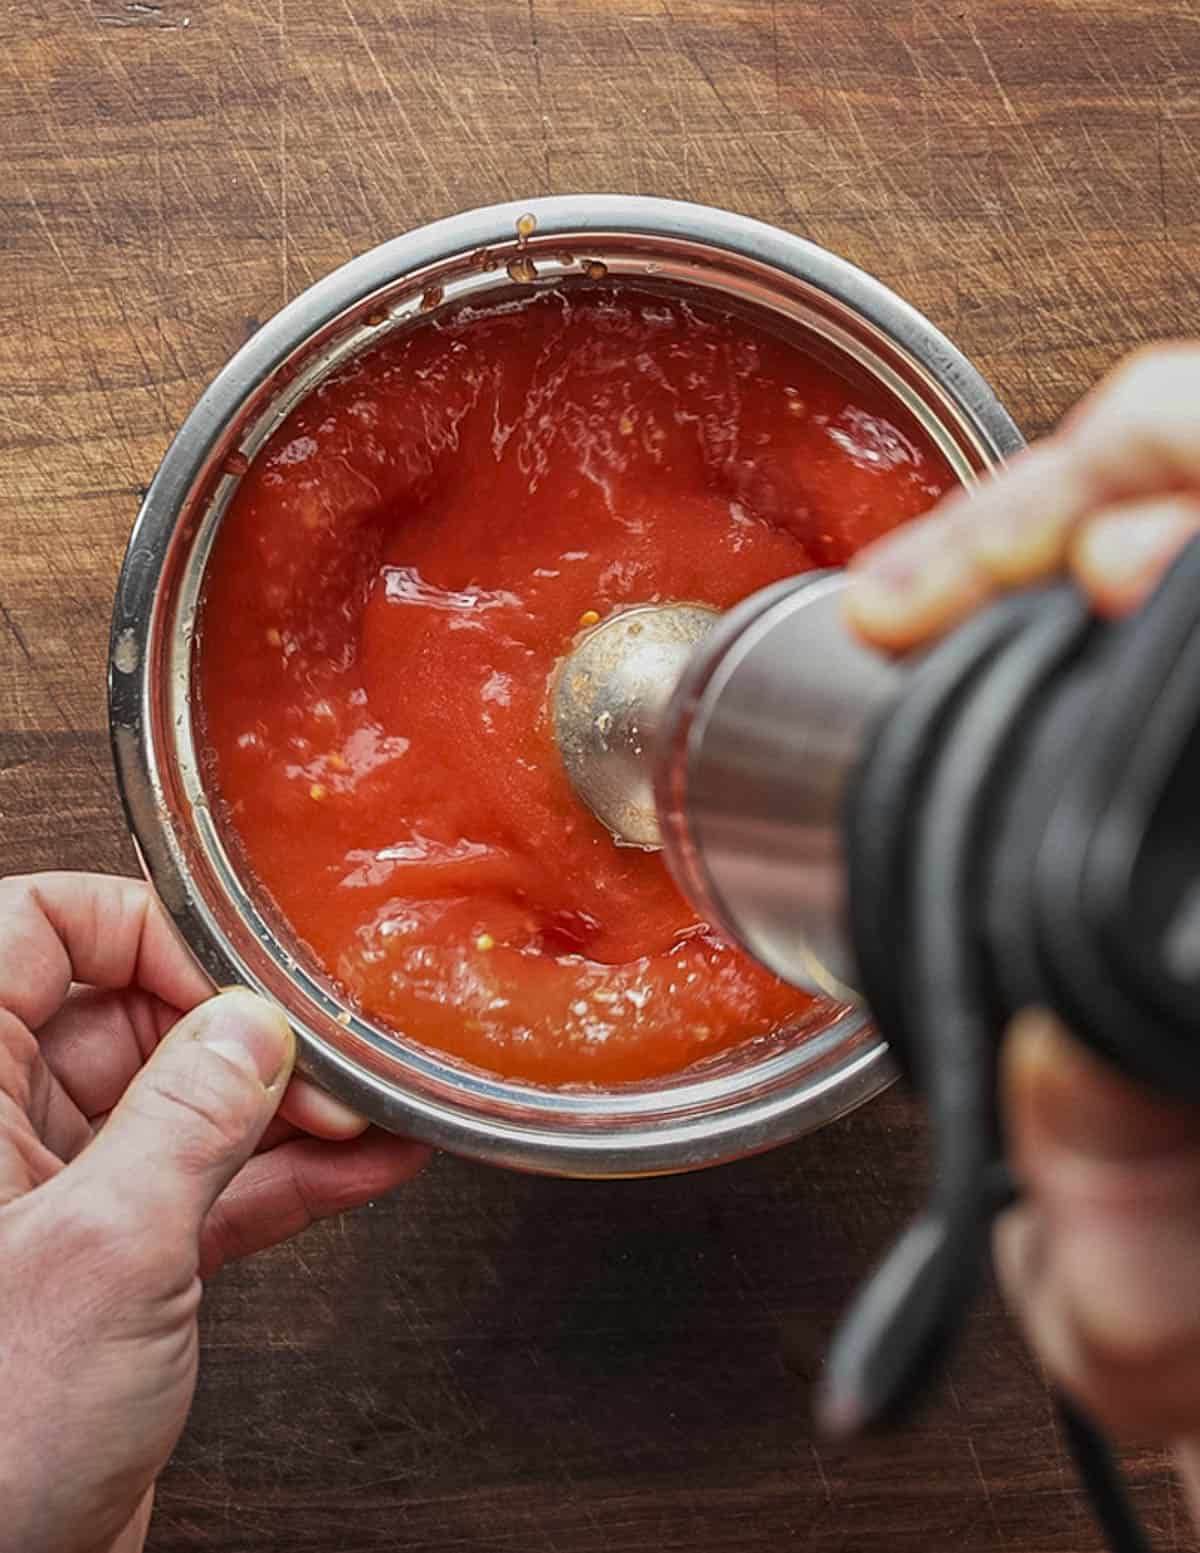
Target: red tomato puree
[395,580]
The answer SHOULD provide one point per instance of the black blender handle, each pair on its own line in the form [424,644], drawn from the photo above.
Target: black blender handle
[1019,831]
[881,796]
[917,826]
[1116,889]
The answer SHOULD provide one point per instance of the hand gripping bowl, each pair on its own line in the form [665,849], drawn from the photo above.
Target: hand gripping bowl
[750,1098]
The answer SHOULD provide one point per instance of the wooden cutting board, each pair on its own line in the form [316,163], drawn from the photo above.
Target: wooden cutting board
[487,1362]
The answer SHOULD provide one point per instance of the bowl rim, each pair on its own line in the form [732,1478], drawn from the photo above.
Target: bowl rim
[641,1137]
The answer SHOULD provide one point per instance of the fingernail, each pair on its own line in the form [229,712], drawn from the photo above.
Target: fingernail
[914,571]
[914,595]
[898,560]
[249,1032]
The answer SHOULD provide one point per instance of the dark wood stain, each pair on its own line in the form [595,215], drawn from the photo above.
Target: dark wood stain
[491,1362]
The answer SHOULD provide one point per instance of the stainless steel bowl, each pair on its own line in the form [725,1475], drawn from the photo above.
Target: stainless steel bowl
[743,1101]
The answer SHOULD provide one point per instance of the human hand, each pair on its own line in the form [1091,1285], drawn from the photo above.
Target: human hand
[1102,1260]
[106,1230]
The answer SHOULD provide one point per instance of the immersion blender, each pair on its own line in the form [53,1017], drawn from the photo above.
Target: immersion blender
[1001,822]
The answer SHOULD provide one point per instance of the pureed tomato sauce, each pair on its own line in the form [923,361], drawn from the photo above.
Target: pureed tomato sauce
[392,586]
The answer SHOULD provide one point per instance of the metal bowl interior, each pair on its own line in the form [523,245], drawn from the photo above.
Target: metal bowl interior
[747,1099]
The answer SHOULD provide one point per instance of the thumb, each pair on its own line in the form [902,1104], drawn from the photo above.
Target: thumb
[1103,1261]
[195,1113]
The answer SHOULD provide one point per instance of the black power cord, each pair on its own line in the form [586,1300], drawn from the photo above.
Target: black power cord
[1101,1479]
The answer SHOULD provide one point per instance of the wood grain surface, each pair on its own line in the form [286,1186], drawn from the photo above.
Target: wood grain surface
[489,1362]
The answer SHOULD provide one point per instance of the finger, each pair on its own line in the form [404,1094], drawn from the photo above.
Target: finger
[1120,555]
[916,583]
[1138,432]
[108,932]
[279,1130]
[336,1125]
[36,1119]
[190,1119]
[1104,1263]
[921,580]
[1136,436]
[52,1115]
[99,1039]
[281,1193]
[314,1110]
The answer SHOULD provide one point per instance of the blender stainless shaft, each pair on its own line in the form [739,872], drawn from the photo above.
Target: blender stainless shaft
[728,741]
[756,748]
